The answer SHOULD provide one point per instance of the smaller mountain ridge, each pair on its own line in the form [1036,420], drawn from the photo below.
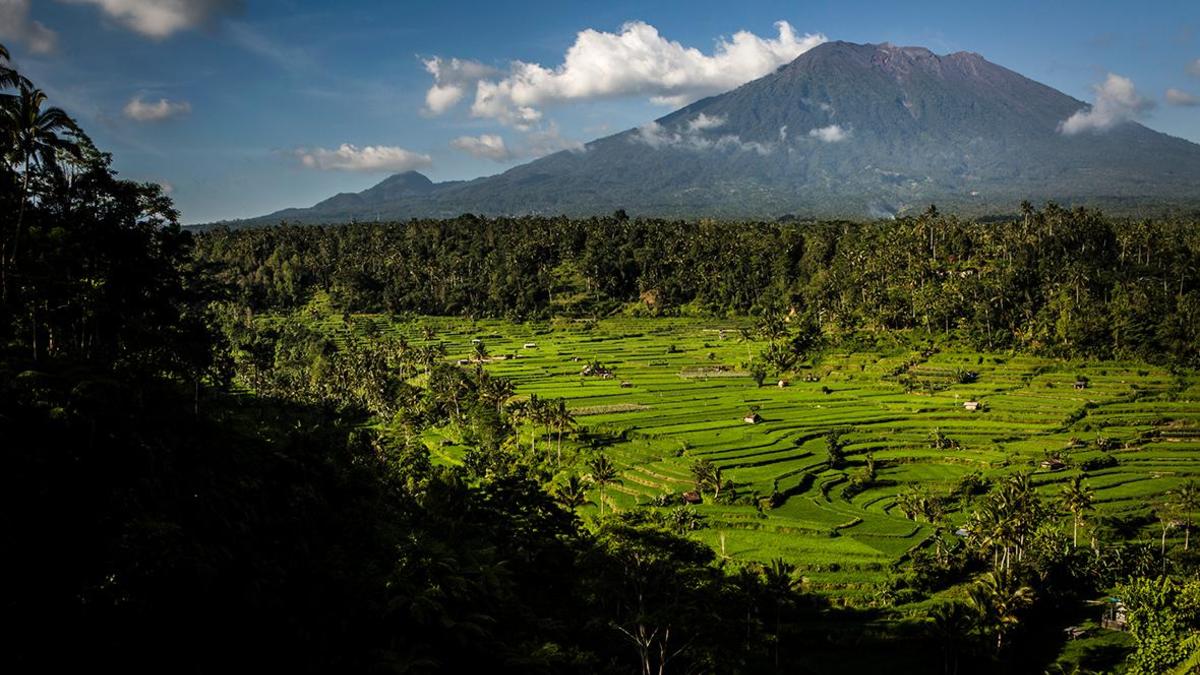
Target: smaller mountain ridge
[844,130]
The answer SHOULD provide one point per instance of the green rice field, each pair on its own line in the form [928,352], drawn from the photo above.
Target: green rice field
[680,392]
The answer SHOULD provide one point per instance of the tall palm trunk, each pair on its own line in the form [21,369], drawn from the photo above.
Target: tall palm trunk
[1162,551]
[21,210]
[8,258]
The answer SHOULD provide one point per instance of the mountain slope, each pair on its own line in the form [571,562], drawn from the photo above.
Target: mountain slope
[844,130]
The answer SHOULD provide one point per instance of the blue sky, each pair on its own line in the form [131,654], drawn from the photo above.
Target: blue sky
[241,107]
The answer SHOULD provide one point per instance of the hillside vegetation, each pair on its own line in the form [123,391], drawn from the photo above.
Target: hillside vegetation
[1052,282]
[555,446]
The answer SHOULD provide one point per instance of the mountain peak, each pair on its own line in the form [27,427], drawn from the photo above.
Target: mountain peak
[397,186]
[406,178]
[845,129]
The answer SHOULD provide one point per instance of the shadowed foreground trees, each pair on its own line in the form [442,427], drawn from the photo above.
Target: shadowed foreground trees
[153,520]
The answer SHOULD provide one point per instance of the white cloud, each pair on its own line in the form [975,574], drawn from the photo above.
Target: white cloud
[830,134]
[155,111]
[657,136]
[1194,67]
[1117,101]
[349,157]
[451,80]
[15,25]
[536,143]
[547,141]
[1181,97]
[783,134]
[703,122]
[636,61]
[160,19]
[485,146]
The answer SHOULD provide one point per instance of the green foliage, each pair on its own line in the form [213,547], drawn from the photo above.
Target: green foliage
[835,447]
[1057,282]
[1162,614]
[196,481]
[160,522]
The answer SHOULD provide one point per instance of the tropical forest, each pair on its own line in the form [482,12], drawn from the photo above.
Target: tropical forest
[416,435]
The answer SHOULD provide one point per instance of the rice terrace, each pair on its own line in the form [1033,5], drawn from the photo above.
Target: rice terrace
[621,338]
[680,393]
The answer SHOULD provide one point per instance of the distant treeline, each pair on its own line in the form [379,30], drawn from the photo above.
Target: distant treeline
[1055,281]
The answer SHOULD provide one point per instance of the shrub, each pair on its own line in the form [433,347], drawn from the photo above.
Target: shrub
[1097,463]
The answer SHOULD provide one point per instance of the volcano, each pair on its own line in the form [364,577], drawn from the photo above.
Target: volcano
[845,130]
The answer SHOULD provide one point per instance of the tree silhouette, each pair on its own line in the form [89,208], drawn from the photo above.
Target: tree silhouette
[571,494]
[1185,501]
[1167,518]
[603,473]
[9,77]
[782,582]
[563,420]
[951,624]
[36,141]
[1076,498]
[999,599]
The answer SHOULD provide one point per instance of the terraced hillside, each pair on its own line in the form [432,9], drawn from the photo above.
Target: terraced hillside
[679,393]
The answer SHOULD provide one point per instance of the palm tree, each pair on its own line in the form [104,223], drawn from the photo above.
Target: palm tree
[480,352]
[603,472]
[1076,498]
[35,140]
[746,337]
[999,599]
[1166,519]
[563,420]
[431,354]
[535,414]
[1006,519]
[781,582]
[518,413]
[951,622]
[1185,501]
[496,390]
[771,326]
[708,476]
[571,494]
[502,390]
[9,77]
